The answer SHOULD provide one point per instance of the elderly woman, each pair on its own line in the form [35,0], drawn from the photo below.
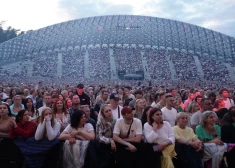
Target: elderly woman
[209,133]
[190,157]
[160,132]
[77,136]
[104,134]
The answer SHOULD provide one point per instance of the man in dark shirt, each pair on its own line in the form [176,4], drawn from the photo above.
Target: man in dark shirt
[84,98]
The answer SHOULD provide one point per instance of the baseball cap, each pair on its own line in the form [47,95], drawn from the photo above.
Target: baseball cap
[126,110]
[114,96]
[80,86]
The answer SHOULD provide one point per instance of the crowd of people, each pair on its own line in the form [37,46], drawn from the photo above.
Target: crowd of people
[99,63]
[73,63]
[45,64]
[127,60]
[214,70]
[158,66]
[184,64]
[117,125]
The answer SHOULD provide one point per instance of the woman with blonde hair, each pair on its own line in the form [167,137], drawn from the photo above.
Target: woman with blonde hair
[48,127]
[192,108]
[104,134]
[139,108]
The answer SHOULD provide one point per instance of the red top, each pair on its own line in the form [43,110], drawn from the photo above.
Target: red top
[25,130]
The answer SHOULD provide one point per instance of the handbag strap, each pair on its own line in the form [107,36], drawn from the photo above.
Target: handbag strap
[129,130]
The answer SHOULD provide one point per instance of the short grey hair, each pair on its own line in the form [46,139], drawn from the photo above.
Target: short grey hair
[180,115]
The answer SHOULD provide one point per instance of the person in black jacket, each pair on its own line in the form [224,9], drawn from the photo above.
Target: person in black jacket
[84,98]
[228,127]
[228,136]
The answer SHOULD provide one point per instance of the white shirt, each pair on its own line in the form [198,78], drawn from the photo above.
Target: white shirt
[121,128]
[40,110]
[87,128]
[169,115]
[228,103]
[45,128]
[164,133]
[154,105]
[115,113]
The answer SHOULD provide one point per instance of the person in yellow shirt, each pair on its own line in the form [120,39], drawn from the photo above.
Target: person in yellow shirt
[188,147]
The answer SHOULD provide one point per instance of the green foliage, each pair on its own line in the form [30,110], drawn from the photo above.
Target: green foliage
[8,33]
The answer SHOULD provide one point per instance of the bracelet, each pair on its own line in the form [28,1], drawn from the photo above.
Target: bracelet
[187,142]
[126,143]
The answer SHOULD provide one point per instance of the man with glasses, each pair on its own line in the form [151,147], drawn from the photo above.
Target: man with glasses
[168,112]
[87,112]
[206,105]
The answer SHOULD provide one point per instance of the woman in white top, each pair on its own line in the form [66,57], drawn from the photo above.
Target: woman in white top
[160,132]
[48,127]
[77,135]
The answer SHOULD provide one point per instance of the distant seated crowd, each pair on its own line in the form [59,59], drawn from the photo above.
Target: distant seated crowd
[185,65]
[129,60]
[116,126]
[158,66]
[73,63]
[45,65]
[214,70]
[99,63]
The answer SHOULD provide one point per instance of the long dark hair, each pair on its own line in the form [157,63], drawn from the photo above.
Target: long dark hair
[76,117]
[20,115]
[8,108]
[151,113]
[25,104]
[228,118]
[144,116]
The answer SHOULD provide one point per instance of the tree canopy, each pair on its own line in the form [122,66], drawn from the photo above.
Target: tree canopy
[9,32]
